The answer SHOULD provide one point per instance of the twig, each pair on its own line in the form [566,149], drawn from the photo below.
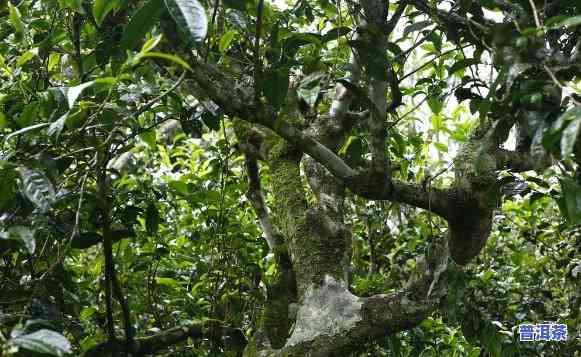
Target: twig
[432,61]
[129,335]
[103,203]
[257,62]
[148,105]
[214,13]
[535,14]
[74,232]
[554,78]
[396,16]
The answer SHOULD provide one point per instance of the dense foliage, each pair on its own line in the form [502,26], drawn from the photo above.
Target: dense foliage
[188,178]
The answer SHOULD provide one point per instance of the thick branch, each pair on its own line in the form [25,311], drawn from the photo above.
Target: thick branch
[518,161]
[255,197]
[211,329]
[372,27]
[237,102]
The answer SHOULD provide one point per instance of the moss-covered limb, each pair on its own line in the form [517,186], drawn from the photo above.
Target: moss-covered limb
[520,161]
[210,329]
[275,322]
[277,319]
[237,103]
[367,185]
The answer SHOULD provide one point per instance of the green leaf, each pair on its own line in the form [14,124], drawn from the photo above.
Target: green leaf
[226,41]
[150,138]
[24,130]
[8,187]
[25,236]
[86,240]
[463,63]
[572,200]
[141,23]
[101,8]
[295,41]
[441,147]
[275,86]
[435,105]
[570,22]
[150,44]
[28,115]
[43,341]
[152,219]
[310,87]
[237,4]
[353,150]
[180,187]
[73,93]
[475,352]
[417,27]
[335,34]
[168,57]
[166,281]
[55,128]
[191,18]
[76,5]
[27,56]
[212,121]
[571,132]
[15,18]
[37,188]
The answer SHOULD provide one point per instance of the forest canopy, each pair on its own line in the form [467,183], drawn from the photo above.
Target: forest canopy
[290,178]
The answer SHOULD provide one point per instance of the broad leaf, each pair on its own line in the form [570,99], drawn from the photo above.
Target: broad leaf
[37,188]
[101,8]
[211,120]
[572,200]
[56,127]
[310,87]
[335,34]
[435,104]
[24,130]
[152,219]
[168,57]
[571,132]
[141,23]
[76,5]
[73,93]
[43,341]
[236,4]
[8,187]
[190,16]
[417,27]
[25,236]
[15,18]
[28,115]
[226,40]
[26,57]
[150,138]
[86,240]
[570,22]
[463,63]
[275,86]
